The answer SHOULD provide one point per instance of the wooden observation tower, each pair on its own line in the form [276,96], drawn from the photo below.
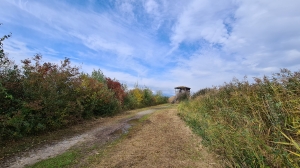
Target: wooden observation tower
[180,90]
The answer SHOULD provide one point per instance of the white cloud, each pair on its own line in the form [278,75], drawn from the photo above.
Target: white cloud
[202,20]
[126,9]
[151,7]
[266,34]
[99,32]
[204,69]
[209,41]
[97,43]
[17,51]
[255,37]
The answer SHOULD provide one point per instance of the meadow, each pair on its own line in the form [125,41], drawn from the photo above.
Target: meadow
[253,124]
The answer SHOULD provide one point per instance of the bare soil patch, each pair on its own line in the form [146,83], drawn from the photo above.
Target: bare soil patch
[163,140]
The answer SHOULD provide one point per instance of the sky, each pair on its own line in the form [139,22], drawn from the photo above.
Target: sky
[160,44]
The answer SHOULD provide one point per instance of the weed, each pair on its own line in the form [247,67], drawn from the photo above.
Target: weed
[63,160]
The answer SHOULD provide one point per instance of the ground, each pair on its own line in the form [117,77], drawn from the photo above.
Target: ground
[153,137]
[163,141]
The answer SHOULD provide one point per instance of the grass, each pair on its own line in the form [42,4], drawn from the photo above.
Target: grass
[250,125]
[63,160]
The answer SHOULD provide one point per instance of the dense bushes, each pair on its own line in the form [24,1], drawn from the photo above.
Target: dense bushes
[251,125]
[141,97]
[42,96]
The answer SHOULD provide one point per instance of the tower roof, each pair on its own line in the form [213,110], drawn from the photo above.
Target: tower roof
[182,87]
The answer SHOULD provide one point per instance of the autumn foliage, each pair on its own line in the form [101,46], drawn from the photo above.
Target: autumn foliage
[42,96]
[117,88]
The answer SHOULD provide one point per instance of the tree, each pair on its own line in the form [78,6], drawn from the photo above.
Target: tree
[3,58]
[98,75]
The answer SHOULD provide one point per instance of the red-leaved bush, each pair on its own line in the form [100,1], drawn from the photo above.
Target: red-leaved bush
[117,88]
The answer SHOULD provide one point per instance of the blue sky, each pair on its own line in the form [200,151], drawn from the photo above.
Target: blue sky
[158,43]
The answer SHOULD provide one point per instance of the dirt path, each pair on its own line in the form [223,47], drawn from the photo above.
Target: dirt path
[163,140]
[106,132]
[159,140]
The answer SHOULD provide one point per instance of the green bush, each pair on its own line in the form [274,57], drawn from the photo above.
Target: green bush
[148,98]
[130,101]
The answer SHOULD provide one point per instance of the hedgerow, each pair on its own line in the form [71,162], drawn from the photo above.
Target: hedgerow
[42,96]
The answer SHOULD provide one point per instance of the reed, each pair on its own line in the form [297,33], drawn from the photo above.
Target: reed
[250,124]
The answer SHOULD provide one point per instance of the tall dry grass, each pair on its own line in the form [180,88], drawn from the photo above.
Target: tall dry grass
[250,124]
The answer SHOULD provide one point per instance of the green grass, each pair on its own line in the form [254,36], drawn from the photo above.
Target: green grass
[250,125]
[64,160]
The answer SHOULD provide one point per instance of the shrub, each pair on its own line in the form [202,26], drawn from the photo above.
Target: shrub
[99,76]
[159,98]
[137,93]
[148,98]
[142,97]
[117,88]
[130,101]
[41,97]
